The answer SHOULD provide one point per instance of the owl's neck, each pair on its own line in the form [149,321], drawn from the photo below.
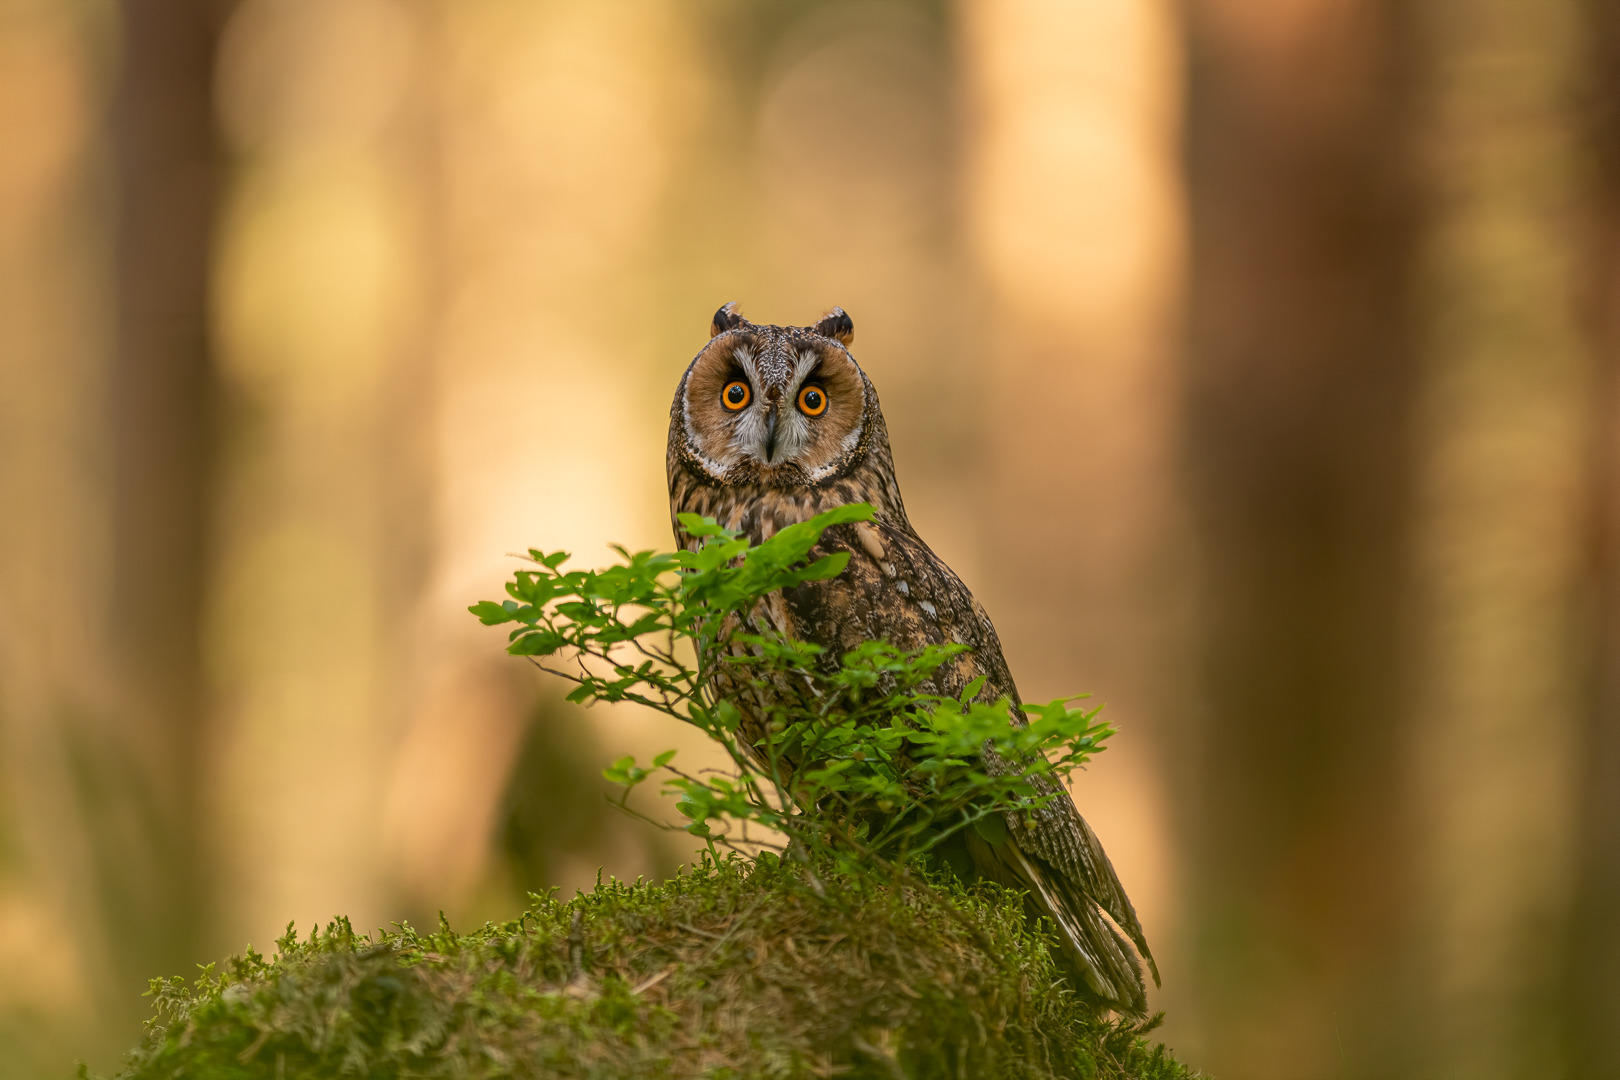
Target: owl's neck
[760,508]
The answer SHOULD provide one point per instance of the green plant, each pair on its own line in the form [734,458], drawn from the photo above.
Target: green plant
[857,763]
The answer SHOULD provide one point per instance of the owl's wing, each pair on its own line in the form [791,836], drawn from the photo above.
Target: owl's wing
[895,588]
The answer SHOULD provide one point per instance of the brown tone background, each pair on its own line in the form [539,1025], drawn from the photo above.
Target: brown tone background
[1257,363]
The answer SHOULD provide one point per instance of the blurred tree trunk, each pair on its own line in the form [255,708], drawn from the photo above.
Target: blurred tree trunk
[1300,377]
[55,300]
[1498,581]
[1592,984]
[141,782]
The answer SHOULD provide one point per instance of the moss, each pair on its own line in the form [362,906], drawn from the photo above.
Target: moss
[733,969]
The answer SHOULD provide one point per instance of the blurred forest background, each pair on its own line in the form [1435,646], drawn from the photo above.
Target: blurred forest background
[1254,361]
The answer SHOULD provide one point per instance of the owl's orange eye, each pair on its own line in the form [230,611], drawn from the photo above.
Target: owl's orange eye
[812,401]
[736,395]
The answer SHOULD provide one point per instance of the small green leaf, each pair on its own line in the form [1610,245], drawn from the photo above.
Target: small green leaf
[971,690]
[537,643]
[992,828]
[698,525]
[490,613]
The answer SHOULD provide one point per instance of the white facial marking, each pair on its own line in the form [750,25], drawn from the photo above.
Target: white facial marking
[853,439]
[749,437]
[749,418]
[807,360]
[710,466]
[846,446]
[792,432]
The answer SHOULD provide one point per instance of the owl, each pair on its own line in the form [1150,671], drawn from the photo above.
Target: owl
[773,424]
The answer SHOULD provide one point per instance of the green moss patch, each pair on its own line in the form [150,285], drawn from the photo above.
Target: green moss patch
[734,969]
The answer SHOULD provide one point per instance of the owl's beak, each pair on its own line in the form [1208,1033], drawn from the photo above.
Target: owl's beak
[770,433]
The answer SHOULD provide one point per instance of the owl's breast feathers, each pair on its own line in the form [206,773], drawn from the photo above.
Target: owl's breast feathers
[895,589]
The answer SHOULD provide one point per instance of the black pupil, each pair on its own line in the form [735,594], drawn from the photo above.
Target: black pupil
[812,399]
[735,393]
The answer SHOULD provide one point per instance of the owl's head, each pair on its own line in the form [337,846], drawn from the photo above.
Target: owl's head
[784,404]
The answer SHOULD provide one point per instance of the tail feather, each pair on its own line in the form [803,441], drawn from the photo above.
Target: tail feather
[1112,898]
[1061,863]
[1098,957]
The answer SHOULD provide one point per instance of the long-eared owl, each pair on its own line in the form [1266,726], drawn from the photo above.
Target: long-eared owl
[773,424]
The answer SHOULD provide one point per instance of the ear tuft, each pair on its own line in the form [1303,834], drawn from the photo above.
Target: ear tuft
[725,319]
[836,325]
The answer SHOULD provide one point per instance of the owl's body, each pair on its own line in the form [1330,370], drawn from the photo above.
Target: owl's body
[772,425]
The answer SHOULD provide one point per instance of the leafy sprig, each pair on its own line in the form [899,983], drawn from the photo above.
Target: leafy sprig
[858,760]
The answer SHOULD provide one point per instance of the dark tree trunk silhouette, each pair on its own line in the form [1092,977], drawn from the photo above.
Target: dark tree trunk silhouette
[145,810]
[1592,987]
[1300,375]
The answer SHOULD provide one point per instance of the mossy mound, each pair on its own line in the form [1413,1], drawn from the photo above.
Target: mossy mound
[733,969]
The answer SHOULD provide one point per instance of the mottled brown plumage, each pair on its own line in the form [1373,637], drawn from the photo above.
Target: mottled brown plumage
[764,459]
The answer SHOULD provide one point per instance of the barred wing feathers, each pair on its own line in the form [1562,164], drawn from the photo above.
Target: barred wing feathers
[895,588]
